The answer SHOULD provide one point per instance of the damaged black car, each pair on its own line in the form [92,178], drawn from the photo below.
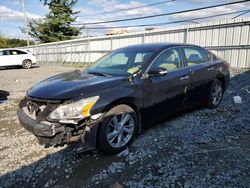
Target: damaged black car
[106,105]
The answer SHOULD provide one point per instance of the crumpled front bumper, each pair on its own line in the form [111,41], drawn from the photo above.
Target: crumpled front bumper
[46,132]
[44,128]
[51,134]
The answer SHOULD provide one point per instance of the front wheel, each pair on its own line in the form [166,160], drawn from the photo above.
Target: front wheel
[27,64]
[118,129]
[215,94]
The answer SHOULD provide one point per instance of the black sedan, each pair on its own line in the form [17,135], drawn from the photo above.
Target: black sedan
[108,104]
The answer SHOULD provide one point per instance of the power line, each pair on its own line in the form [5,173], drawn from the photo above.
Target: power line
[167,23]
[159,15]
[241,14]
[132,8]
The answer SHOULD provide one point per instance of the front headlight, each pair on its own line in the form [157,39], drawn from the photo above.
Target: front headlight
[74,111]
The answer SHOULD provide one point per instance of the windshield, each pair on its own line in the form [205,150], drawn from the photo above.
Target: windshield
[121,62]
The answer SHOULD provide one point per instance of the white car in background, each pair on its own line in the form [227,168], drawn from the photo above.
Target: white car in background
[16,57]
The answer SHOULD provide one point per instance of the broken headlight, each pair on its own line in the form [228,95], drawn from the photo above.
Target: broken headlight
[74,111]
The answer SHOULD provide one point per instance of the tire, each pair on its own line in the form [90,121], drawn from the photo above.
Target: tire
[111,129]
[215,94]
[27,64]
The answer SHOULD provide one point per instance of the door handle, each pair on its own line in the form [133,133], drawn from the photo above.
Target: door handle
[184,78]
[210,69]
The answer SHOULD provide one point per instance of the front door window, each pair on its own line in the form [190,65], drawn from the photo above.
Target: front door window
[168,60]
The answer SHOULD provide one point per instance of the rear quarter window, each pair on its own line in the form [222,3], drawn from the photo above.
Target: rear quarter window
[21,52]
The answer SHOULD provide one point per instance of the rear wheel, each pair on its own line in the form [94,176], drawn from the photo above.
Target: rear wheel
[215,94]
[118,129]
[27,64]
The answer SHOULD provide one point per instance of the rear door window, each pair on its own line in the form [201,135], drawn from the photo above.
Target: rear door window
[196,56]
[13,52]
[17,52]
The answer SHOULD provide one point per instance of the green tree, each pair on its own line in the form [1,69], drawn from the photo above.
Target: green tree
[3,42]
[13,42]
[57,23]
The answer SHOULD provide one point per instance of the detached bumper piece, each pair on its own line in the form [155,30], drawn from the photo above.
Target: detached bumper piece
[32,116]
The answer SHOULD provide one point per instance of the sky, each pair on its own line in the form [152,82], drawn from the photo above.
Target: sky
[12,17]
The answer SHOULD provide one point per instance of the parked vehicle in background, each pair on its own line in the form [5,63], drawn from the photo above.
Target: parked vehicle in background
[16,57]
[107,104]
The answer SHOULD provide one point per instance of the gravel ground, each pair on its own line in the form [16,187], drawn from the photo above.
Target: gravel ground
[205,147]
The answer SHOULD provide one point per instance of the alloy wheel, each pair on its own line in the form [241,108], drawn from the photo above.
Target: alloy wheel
[120,130]
[217,94]
[27,64]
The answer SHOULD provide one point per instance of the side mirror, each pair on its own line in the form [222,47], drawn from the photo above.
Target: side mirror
[157,72]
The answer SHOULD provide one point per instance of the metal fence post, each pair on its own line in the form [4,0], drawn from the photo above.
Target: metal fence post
[57,59]
[111,43]
[143,38]
[89,48]
[185,40]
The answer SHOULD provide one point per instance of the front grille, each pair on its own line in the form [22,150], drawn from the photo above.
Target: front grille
[38,110]
[35,108]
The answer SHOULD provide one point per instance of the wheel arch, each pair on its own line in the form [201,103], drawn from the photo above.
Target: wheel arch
[221,78]
[129,101]
[26,60]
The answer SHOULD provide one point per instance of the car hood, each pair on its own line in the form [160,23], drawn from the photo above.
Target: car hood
[72,84]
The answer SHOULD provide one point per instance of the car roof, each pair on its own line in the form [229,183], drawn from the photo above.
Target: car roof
[155,46]
[12,49]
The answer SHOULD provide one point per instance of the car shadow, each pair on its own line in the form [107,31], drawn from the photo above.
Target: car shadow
[85,165]
[59,166]
[17,67]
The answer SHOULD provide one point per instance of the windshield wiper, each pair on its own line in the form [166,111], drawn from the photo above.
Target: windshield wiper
[97,73]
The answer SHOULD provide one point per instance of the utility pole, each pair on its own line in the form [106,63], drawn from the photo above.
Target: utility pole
[26,22]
